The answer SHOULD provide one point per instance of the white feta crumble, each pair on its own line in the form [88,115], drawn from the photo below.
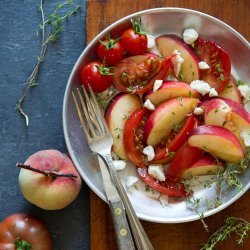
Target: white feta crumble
[245,135]
[119,165]
[213,92]
[163,200]
[149,151]
[200,86]
[149,105]
[151,41]
[203,65]
[198,111]
[167,150]
[157,85]
[131,180]
[171,78]
[244,91]
[157,172]
[177,61]
[190,36]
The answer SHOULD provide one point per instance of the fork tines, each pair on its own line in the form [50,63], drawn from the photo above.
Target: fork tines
[91,117]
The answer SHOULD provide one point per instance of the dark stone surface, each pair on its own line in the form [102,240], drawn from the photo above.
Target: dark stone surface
[20,47]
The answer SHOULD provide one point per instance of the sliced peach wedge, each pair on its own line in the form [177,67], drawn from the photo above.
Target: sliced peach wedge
[231,91]
[207,165]
[116,115]
[168,114]
[217,141]
[169,90]
[189,69]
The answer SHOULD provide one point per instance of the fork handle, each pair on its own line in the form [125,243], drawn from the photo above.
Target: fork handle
[140,237]
[123,236]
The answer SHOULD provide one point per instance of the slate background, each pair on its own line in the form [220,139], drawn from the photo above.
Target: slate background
[19,20]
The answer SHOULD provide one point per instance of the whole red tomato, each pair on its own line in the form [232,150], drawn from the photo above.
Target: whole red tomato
[24,232]
[97,76]
[110,50]
[134,41]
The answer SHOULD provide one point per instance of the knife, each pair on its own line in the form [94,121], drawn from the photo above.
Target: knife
[122,230]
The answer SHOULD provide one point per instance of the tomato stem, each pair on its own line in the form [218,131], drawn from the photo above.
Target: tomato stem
[137,26]
[22,245]
[48,173]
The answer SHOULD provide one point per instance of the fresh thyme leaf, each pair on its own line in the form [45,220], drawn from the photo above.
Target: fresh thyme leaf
[50,29]
[232,225]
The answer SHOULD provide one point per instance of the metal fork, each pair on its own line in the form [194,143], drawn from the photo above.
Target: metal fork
[100,141]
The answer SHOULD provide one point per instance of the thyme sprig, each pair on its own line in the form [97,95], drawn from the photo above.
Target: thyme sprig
[50,29]
[232,225]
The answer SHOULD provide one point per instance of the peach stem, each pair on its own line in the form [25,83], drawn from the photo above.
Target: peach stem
[52,174]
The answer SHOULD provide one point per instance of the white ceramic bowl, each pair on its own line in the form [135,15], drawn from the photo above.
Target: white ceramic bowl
[156,21]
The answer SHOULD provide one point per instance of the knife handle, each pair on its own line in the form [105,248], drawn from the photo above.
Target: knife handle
[123,234]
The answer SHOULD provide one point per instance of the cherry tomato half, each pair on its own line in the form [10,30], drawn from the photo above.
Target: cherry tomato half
[97,76]
[22,231]
[110,50]
[170,188]
[137,74]
[218,75]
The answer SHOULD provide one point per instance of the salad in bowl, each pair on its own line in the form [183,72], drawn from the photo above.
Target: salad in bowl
[178,114]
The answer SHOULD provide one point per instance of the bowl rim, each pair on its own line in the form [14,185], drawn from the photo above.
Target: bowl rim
[65,102]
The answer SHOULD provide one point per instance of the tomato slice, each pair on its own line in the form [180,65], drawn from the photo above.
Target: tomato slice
[184,159]
[133,137]
[178,141]
[170,188]
[218,75]
[137,74]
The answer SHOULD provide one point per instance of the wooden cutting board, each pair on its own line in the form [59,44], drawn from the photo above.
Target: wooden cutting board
[167,236]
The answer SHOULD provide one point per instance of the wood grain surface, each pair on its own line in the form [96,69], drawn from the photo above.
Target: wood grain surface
[167,236]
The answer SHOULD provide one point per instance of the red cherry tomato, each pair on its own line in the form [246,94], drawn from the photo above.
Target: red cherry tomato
[133,137]
[134,41]
[170,188]
[24,231]
[110,50]
[218,75]
[97,76]
[137,74]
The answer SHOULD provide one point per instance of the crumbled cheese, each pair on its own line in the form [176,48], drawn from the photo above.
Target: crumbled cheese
[119,165]
[177,61]
[156,171]
[167,150]
[157,85]
[213,92]
[163,200]
[149,151]
[245,135]
[131,180]
[203,65]
[244,90]
[151,41]
[200,86]
[198,111]
[171,78]
[190,36]
[149,105]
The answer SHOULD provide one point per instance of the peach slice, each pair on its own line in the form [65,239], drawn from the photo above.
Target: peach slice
[207,165]
[170,113]
[218,141]
[169,90]
[232,92]
[189,69]
[239,116]
[116,115]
